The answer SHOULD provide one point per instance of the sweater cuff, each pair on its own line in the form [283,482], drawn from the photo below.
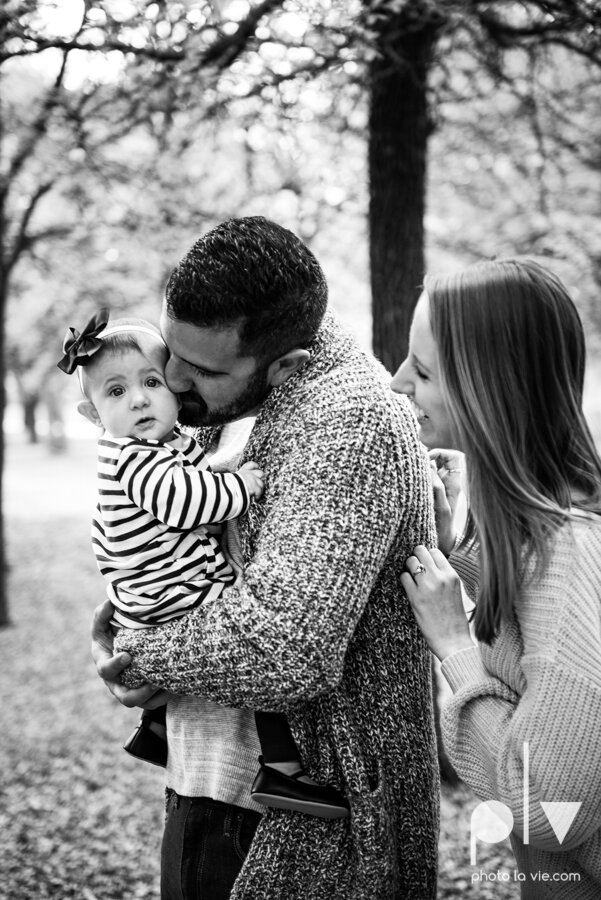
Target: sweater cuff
[246,498]
[464,667]
[466,562]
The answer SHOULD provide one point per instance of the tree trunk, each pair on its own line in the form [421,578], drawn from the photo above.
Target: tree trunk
[30,403]
[4,617]
[398,136]
[399,128]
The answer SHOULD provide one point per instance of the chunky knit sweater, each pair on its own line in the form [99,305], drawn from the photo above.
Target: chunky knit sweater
[540,683]
[320,628]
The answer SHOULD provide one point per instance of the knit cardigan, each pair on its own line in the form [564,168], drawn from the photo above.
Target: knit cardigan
[539,683]
[320,628]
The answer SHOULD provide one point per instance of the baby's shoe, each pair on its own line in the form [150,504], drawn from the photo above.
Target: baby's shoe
[149,739]
[273,788]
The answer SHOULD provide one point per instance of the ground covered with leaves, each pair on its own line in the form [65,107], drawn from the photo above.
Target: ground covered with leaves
[79,819]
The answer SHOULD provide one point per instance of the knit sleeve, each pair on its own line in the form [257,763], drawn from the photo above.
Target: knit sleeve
[466,562]
[332,513]
[489,728]
[181,496]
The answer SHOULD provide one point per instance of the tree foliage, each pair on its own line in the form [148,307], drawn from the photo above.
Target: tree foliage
[128,126]
[170,69]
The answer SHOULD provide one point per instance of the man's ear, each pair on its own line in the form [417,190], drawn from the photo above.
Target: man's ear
[282,368]
[87,409]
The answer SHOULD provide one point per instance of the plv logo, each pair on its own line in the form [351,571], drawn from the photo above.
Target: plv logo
[492,820]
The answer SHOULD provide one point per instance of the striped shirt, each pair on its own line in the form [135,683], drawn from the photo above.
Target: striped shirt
[152,532]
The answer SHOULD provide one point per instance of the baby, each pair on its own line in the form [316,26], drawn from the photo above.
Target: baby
[157,498]
[156,528]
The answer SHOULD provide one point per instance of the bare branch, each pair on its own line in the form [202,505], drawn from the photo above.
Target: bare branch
[38,127]
[228,47]
[552,23]
[45,234]
[225,49]
[35,132]
[22,239]
[41,44]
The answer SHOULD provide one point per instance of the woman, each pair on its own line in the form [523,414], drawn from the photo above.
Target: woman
[495,370]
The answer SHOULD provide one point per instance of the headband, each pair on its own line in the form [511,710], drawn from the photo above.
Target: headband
[80,347]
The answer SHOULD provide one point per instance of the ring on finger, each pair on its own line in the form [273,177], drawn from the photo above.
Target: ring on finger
[419,570]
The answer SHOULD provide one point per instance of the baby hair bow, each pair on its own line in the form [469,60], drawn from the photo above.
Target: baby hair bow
[80,347]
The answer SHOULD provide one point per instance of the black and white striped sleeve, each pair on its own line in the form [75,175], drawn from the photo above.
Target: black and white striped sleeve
[181,496]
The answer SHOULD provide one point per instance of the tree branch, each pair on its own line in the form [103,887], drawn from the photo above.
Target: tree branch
[228,47]
[225,49]
[36,131]
[41,44]
[22,239]
[559,23]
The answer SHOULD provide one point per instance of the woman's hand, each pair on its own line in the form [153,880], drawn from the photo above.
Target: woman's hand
[447,468]
[433,588]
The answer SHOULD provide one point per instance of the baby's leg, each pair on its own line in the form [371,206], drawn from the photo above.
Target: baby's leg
[278,747]
[282,781]
[149,740]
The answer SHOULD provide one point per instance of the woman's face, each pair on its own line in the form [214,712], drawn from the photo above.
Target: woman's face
[419,378]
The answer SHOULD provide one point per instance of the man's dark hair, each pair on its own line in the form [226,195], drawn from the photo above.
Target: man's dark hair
[254,272]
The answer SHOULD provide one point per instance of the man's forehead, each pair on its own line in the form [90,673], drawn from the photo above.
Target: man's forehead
[196,343]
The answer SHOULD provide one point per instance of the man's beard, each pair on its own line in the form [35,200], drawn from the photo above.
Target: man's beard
[194,412]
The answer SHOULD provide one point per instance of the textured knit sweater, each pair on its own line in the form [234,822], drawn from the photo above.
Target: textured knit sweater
[320,628]
[540,683]
[214,749]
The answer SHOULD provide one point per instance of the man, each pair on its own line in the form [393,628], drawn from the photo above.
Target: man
[319,627]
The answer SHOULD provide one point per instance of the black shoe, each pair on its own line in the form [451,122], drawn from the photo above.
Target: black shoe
[273,788]
[145,743]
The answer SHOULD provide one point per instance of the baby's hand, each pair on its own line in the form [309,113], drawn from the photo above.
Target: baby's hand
[253,478]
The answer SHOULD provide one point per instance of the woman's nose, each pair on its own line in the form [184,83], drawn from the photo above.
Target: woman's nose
[401,382]
[177,378]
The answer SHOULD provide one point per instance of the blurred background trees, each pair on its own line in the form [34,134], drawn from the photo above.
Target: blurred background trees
[391,135]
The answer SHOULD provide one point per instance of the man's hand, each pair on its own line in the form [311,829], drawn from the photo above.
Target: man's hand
[109,667]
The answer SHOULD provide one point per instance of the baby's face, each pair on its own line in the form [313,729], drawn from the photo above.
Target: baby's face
[131,397]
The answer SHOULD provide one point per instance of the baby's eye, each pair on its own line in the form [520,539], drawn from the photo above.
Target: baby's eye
[116,391]
[153,382]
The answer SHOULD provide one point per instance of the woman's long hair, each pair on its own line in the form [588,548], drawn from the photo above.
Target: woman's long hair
[512,355]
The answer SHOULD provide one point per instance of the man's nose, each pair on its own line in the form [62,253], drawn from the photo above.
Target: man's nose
[177,377]
[401,382]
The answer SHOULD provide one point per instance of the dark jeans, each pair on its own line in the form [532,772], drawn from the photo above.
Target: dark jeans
[204,845]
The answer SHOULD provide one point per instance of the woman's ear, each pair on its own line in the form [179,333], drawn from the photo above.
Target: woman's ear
[282,368]
[87,409]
